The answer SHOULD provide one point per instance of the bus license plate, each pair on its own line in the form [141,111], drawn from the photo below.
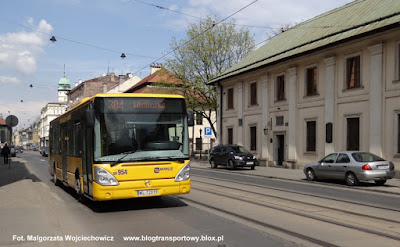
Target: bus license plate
[146,192]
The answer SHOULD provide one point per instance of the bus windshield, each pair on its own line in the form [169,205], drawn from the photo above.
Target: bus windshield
[139,129]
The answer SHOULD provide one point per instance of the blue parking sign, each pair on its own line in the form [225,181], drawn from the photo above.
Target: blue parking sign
[207,132]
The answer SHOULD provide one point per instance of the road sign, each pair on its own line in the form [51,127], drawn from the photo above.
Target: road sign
[11,121]
[207,132]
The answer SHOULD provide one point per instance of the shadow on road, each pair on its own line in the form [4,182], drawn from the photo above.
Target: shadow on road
[15,172]
[145,203]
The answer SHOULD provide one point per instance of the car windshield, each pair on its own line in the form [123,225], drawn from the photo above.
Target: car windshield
[240,149]
[366,157]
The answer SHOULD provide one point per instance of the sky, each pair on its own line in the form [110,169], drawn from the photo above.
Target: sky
[92,34]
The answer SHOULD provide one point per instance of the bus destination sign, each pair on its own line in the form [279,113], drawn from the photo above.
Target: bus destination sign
[136,105]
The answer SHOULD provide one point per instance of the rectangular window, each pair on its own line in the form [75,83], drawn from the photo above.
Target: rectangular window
[353,79]
[311,136]
[3,136]
[398,133]
[311,81]
[253,93]
[230,98]
[230,136]
[253,138]
[398,61]
[280,88]
[353,134]
[279,121]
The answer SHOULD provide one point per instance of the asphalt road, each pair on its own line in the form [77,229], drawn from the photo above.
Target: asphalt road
[322,190]
[35,212]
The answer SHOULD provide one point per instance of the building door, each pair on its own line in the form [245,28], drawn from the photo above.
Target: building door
[280,148]
[64,150]
[353,134]
[87,161]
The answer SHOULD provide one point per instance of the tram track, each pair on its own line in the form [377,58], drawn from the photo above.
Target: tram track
[311,204]
[301,193]
[263,224]
[231,193]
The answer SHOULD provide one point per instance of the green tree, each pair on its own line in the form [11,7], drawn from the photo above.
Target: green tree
[207,50]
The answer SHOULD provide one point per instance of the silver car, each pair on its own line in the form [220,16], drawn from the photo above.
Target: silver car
[351,167]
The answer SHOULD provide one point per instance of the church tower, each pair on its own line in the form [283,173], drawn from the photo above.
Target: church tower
[64,86]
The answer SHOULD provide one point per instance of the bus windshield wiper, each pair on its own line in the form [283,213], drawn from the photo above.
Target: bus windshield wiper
[120,159]
[180,159]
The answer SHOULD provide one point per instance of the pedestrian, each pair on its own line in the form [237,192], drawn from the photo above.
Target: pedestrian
[5,152]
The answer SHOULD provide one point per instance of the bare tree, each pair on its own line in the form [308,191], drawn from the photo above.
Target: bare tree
[207,51]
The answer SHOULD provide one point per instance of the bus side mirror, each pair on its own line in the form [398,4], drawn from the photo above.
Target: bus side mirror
[190,118]
[90,116]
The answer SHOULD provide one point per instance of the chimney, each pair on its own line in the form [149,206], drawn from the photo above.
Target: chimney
[155,67]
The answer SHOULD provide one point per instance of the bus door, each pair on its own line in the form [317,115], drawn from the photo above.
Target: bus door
[64,140]
[87,161]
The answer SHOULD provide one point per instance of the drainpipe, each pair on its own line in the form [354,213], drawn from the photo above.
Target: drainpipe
[220,112]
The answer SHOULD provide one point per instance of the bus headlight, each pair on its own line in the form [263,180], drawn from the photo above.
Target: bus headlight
[103,177]
[183,174]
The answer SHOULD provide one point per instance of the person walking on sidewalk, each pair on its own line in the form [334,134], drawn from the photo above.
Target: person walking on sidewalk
[5,152]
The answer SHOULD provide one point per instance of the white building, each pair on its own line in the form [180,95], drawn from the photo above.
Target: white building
[329,84]
[53,110]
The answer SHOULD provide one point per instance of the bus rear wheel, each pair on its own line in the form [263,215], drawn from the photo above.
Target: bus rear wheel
[77,183]
[55,180]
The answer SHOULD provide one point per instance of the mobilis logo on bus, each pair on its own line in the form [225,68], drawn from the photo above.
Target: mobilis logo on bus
[157,169]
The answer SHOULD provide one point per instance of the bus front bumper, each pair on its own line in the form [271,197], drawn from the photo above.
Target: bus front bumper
[142,188]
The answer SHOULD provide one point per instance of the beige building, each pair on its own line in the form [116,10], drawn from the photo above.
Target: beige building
[330,83]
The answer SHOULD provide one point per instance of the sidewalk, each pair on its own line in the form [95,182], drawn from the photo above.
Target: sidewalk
[16,172]
[391,186]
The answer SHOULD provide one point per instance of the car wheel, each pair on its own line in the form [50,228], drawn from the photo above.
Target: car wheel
[231,164]
[55,180]
[77,183]
[351,179]
[310,174]
[252,167]
[213,165]
[380,182]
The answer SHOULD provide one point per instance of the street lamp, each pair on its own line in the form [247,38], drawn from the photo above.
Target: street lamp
[266,130]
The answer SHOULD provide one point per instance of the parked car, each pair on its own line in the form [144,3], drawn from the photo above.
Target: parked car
[232,156]
[19,149]
[351,167]
[13,151]
[43,151]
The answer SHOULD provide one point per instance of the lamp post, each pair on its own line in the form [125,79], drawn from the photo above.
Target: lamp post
[201,143]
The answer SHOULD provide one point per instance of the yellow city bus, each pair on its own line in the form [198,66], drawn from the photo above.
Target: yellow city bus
[120,146]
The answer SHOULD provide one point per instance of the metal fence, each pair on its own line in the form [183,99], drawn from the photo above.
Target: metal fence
[200,148]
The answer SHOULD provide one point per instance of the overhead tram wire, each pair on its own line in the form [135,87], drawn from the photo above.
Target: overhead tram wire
[232,24]
[208,29]
[86,44]
[164,8]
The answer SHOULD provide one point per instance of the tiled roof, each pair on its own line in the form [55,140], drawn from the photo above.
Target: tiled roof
[352,20]
[162,76]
